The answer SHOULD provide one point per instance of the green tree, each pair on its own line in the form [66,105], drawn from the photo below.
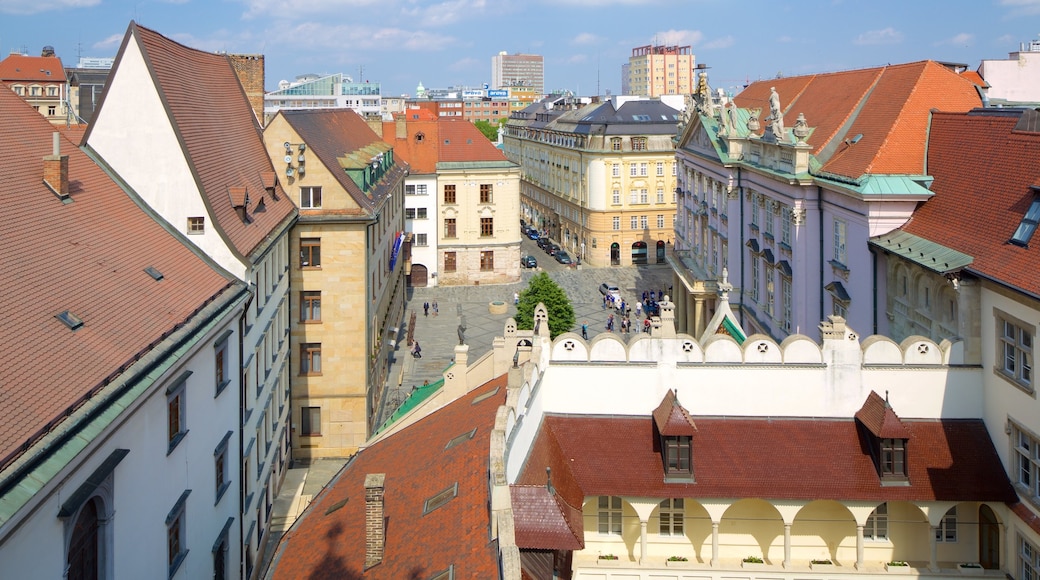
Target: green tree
[542,289]
[489,129]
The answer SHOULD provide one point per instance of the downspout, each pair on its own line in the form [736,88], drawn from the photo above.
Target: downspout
[242,565]
[740,199]
[819,205]
[874,296]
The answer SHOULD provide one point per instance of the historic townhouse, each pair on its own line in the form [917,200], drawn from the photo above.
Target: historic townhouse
[965,267]
[205,173]
[599,178]
[347,272]
[41,81]
[782,186]
[666,456]
[462,199]
[118,381]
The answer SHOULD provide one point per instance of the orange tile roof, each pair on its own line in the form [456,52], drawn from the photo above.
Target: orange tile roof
[975,77]
[672,419]
[888,106]
[417,465]
[88,257]
[984,168]
[443,140]
[879,418]
[38,69]
[221,136]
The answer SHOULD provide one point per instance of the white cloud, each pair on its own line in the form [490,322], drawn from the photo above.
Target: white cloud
[586,38]
[111,43]
[678,37]
[297,9]
[785,39]
[465,64]
[444,13]
[358,38]
[577,59]
[1019,7]
[22,7]
[724,42]
[962,39]
[884,36]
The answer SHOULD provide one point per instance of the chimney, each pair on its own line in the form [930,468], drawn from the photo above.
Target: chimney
[401,127]
[56,170]
[374,519]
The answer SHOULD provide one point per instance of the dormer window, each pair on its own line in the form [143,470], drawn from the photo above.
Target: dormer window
[893,458]
[674,429]
[887,438]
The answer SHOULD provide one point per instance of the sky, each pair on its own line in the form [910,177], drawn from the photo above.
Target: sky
[442,43]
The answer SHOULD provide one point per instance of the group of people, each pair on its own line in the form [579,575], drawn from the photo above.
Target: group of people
[426,306]
[624,326]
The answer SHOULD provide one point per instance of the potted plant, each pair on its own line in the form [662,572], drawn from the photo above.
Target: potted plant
[822,563]
[899,566]
[608,560]
[971,568]
[677,561]
[753,562]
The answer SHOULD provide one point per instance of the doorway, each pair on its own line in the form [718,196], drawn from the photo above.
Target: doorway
[639,253]
[660,251]
[989,538]
[419,276]
[615,254]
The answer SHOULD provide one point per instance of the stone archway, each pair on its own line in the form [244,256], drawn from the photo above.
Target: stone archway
[660,251]
[615,254]
[639,253]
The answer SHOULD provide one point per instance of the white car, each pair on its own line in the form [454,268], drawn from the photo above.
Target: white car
[605,289]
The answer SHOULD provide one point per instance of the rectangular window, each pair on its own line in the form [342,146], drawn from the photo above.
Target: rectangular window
[485,193]
[409,213]
[449,193]
[310,252]
[639,144]
[310,197]
[175,409]
[946,531]
[176,540]
[615,144]
[420,213]
[1015,351]
[660,168]
[671,514]
[487,227]
[893,458]
[660,220]
[610,515]
[633,196]
[220,364]
[310,306]
[677,455]
[449,261]
[633,222]
[660,195]
[642,169]
[420,189]
[616,170]
[1028,559]
[615,223]
[643,222]
[409,190]
[839,242]
[785,225]
[877,524]
[449,227]
[615,197]
[785,303]
[633,170]
[754,209]
[221,475]
[1025,463]
[310,358]
[420,240]
[196,225]
[487,261]
[755,263]
[310,421]
[643,197]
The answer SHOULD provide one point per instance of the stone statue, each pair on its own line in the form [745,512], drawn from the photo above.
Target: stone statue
[462,334]
[731,112]
[776,116]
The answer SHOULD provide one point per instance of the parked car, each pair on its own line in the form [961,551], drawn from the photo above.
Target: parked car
[563,257]
[532,234]
[551,249]
[542,242]
[528,262]
[605,289]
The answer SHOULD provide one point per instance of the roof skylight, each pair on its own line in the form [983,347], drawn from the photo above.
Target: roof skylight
[1029,222]
[71,320]
[441,498]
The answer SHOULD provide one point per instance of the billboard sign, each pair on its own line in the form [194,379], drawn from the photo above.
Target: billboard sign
[498,94]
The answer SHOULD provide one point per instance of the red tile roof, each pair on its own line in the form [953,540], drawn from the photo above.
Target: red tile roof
[37,69]
[443,140]
[771,458]
[220,135]
[417,466]
[334,133]
[984,167]
[889,106]
[543,521]
[88,257]
[879,418]
[672,419]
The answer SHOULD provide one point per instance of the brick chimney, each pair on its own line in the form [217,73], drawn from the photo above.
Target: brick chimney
[374,519]
[56,170]
[250,71]
[400,127]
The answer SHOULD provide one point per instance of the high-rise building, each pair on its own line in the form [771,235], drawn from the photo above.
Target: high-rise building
[510,70]
[655,70]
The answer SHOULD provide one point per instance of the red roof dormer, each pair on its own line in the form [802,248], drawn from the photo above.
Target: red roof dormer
[888,439]
[675,430]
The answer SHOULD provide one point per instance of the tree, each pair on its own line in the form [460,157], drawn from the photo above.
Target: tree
[489,129]
[542,289]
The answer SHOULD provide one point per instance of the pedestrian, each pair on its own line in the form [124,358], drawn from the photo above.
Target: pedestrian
[426,383]
[646,324]
[416,350]
[639,309]
[660,295]
[516,298]
[604,302]
[435,309]
[610,323]
[644,295]
[425,308]
[585,330]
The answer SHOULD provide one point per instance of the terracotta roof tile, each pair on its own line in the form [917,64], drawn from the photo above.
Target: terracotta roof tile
[543,521]
[984,167]
[417,466]
[221,136]
[40,69]
[443,140]
[88,257]
[773,458]
[671,418]
[1027,516]
[879,418]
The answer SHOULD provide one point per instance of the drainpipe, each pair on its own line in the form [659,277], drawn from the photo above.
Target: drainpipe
[819,204]
[740,198]
[874,297]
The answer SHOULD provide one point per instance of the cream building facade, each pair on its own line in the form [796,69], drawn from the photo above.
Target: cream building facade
[347,273]
[599,178]
[655,70]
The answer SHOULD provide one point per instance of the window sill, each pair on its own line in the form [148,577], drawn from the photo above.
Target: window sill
[310,374]
[220,491]
[838,266]
[1027,389]
[177,561]
[310,322]
[176,441]
[318,267]
[310,435]
[220,387]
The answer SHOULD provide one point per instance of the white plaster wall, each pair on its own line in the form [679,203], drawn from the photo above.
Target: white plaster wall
[133,134]
[148,482]
[427,256]
[1015,79]
[598,181]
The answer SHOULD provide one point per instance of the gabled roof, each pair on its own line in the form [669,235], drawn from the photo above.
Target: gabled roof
[87,257]
[889,106]
[221,137]
[544,521]
[779,458]
[672,419]
[328,541]
[337,137]
[985,166]
[444,140]
[879,418]
[32,69]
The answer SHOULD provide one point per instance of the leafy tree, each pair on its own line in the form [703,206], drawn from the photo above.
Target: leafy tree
[542,289]
[489,129]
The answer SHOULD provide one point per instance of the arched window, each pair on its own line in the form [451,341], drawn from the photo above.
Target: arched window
[84,546]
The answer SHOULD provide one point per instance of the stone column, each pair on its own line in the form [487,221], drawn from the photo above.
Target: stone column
[679,298]
[714,544]
[787,545]
[642,541]
[699,323]
[859,547]
[933,563]
[691,317]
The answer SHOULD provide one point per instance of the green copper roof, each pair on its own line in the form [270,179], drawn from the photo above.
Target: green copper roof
[417,396]
[927,254]
[734,330]
[895,185]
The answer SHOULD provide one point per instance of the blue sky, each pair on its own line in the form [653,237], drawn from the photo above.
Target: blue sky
[448,42]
